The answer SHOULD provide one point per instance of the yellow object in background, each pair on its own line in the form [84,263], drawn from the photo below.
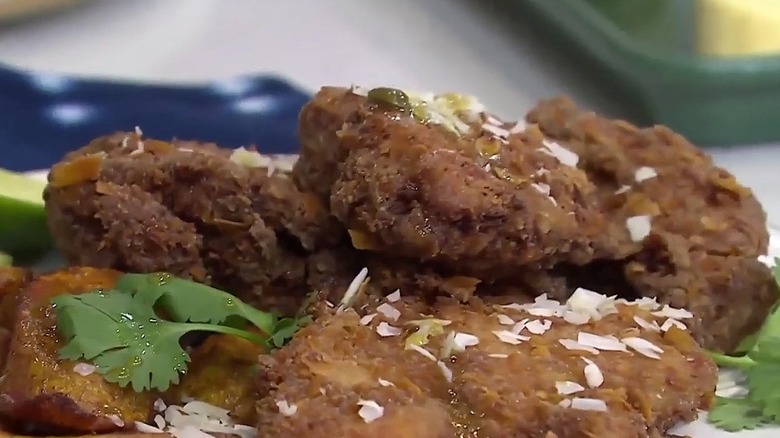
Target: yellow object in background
[738,27]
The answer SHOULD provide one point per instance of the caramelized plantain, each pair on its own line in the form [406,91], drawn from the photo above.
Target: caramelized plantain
[222,374]
[44,392]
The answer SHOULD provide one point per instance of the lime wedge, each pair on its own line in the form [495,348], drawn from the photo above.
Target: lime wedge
[23,229]
[5,260]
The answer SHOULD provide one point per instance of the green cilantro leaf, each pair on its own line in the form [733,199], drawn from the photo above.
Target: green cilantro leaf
[187,301]
[736,414]
[120,332]
[123,338]
[285,329]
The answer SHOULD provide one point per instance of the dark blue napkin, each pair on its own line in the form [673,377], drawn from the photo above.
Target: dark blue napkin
[44,115]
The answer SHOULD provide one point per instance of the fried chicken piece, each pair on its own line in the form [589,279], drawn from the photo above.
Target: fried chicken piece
[729,295]
[494,369]
[197,211]
[43,393]
[662,175]
[706,230]
[477,202]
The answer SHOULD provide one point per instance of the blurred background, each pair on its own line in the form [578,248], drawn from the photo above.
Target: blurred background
[700,66]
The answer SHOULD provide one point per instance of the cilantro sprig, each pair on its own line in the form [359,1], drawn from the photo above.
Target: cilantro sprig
[131,333]
[760,361]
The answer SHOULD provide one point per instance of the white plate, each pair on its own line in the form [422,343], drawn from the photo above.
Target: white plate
[698,429]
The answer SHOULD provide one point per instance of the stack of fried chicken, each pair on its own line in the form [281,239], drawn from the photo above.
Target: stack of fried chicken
[455,215]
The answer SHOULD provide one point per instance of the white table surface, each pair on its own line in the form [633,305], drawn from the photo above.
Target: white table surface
[431,44]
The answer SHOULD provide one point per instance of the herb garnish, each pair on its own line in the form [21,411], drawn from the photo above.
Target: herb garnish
[131,332]
[761,365]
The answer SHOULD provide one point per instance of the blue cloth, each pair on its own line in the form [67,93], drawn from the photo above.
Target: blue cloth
[44,115]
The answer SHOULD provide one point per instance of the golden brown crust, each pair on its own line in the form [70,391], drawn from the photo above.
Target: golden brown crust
[188,209]
[40,389]
[332,365]
[707,229]
[689,196]
[420,191]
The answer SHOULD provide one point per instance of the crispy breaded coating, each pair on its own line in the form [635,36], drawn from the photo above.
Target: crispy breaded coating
[499,371]
[659,173]
[122,227]
[706,230]
[474,202]
[729,295]
[190,209]
[43,392]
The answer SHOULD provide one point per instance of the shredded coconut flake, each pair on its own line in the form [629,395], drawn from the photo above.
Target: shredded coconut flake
[592,304]
[385,330]
[565,403]
[643,347]
[647,325]
[622,189]
[563,155]
[352,290]
[538,327]
[571,344]
[541,311]
[159,405]
[670,322]
[385,383]
[427,354]
[366,320]
[84,369]
[145,428]
[505,320]
[638,227]
[671,312]
[519,326]
[646,303]
[542,188]
[567,387]
[575,318]
[498,355]
[116,420]
[457,342]
[446,372]
[509,337]
[285,408]
[196,407]
[139,149]
[395,296]
[370,410]
[593,375]
[604,343]
[644,173]
[589,404]
[200,419]
[389,311]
